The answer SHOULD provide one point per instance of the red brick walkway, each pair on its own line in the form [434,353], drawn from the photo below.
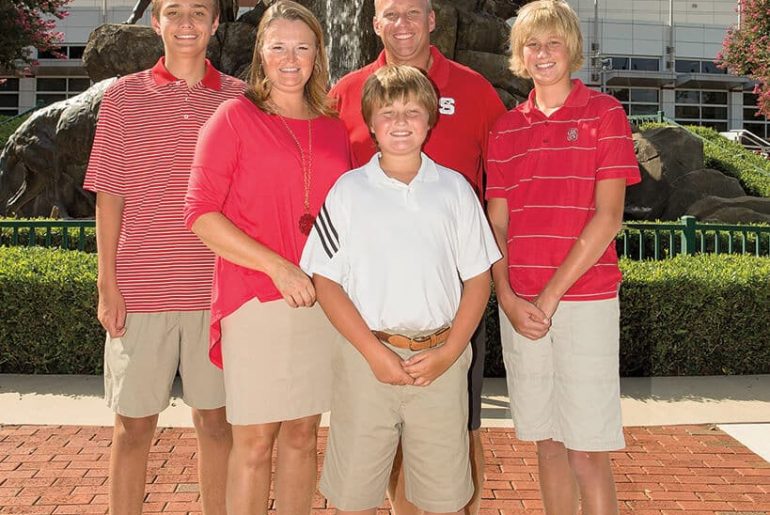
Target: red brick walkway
[675,469]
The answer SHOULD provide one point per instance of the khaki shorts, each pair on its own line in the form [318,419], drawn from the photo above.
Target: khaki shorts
[566,386]
[369,417]
[139,367]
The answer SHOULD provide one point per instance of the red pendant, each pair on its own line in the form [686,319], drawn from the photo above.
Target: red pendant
[306,222]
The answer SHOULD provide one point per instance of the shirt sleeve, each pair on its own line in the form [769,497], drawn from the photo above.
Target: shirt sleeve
[106,166]
[615,157]
[325,252]
[495,177]
[476,243]
[214,163]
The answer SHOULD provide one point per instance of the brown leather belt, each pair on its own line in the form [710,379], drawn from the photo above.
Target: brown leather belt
[417,343]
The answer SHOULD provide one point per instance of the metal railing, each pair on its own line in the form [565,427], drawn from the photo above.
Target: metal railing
[65,234]
[646,240]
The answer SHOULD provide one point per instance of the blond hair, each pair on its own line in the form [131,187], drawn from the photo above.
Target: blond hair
[545,16]
[398,82]
[317,85]
[157,6]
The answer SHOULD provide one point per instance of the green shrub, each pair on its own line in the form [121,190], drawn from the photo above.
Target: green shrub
[48,312]
[690,315]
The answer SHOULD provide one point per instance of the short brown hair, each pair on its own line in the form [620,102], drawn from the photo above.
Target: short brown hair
[545,16]
[317,85]
[157,5]
[399,82]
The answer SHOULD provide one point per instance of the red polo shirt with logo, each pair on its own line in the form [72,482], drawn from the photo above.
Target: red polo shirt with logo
[547,168]
[143,151]
[468,107]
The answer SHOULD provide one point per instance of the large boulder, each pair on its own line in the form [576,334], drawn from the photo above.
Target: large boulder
[696,185]
[232,48]
[482,32]
[665,155]
[114,50]
[445,35]
[739,210]
[495,68]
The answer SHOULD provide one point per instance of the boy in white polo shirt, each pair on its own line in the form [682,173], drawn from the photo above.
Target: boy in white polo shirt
[400,257]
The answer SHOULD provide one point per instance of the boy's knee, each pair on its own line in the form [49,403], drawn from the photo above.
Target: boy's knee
[211,424]
[548,450]
[133,432]
[586,464]
[255,451]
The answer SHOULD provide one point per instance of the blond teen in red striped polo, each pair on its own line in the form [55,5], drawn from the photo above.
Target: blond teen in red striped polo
[558,166]
[154,275]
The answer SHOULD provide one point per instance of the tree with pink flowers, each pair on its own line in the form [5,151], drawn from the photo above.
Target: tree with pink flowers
[746,48]
[28,24]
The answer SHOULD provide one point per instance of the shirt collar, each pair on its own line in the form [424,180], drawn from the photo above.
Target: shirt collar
[578,97]
[160,74]
[439,68]
[427,172]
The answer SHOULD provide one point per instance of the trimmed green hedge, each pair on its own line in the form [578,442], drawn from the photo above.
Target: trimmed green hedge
[730,158]
[696,315]
[699,315]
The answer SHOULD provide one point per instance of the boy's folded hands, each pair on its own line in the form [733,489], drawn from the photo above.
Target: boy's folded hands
[528,319]
[388,368]
[428,365]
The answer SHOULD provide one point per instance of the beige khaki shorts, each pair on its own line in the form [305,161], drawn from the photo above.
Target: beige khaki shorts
[277,362]
[140,366]
[368,418]
[566,386]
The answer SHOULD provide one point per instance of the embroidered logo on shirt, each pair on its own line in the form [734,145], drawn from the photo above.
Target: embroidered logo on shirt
[572,134]
[446,105]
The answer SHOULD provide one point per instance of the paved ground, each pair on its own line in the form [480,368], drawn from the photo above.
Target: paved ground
[688,469]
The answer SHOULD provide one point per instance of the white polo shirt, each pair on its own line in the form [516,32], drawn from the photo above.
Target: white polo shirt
[401,251]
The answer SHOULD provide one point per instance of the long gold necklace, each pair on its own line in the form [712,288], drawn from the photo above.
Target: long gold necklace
[307,219]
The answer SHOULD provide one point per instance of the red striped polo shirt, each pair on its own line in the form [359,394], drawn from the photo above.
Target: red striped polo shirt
[547,168]
[143,150]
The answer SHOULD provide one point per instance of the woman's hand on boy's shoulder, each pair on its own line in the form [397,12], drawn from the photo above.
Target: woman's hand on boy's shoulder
[527,318]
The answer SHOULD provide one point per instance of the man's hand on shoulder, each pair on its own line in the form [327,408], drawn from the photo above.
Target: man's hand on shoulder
[112,311]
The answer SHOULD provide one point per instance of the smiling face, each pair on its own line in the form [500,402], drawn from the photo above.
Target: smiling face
[400,128]
[185,26]
[288,55]
[404,26]
[547,60]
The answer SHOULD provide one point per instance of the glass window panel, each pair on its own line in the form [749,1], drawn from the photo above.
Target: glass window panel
[749,99]
[79,84]
[9,84]
[645,63]
[751,114]
[619,93]
[715,97]
[644,95]
[687,97]
[711,67]
[625,108]
[644,109]
[714,113]
[757,128]
[76,51]
[49,84]
[718,126]
[8,112]
[619,63]
[687,112]
[46,99]
[9,101]
[687,66]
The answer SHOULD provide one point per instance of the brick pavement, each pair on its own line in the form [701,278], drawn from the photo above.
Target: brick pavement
[664,470]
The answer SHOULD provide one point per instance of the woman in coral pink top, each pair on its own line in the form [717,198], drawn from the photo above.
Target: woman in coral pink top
[263,165]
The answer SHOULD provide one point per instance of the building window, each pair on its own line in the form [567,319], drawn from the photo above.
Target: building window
[698,66]
[64,52]
[637,100]
[648,64]
[759,125]
[9,96]
[707,108]
[53,89]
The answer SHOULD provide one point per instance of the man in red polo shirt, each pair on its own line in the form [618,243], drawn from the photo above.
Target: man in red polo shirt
[468,107]
[155,276]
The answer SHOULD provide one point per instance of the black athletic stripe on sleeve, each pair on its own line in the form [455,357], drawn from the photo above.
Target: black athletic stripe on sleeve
[320,232]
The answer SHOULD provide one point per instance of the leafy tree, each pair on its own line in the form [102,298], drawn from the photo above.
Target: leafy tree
[25,24]
[746,48]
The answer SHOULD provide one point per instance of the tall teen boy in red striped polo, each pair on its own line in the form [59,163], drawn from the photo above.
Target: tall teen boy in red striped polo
[558,166]
[155,276]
